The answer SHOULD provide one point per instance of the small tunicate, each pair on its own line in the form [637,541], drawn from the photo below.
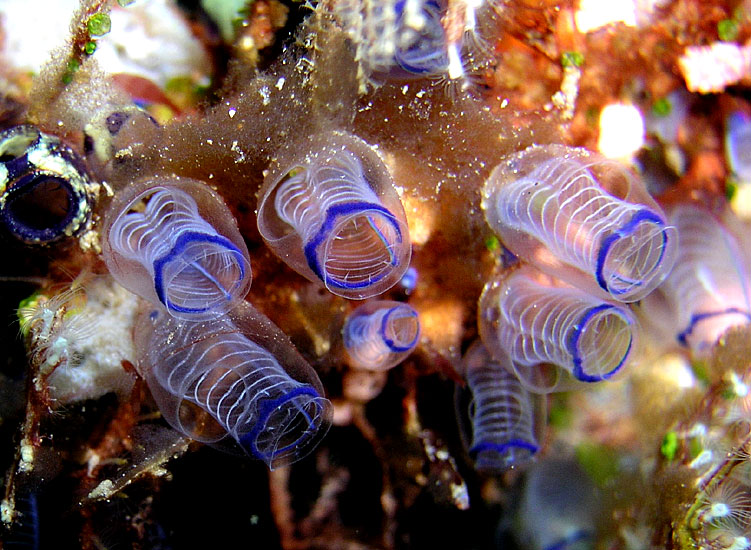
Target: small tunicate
[558,508]
[537,319]
[46,193]
[709,285]
[235,382]
[109,132]
[502,412]
[738,145]
[379,335]
[174,242]
[581,218]
[395,38]
[330,211]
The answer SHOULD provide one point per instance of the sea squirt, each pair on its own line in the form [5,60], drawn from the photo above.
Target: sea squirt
[582,218]
[235,382]
[538,319]
[329,209]
[175,243]
[502,412]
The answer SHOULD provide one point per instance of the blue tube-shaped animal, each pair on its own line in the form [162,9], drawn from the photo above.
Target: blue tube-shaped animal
[235,382]
[46,193]
[537,319]
[502,412]
[709,285]
[379,335]
[174,242]
[559,507]
[329,209]
[395,39]
[738,145]
[581,218]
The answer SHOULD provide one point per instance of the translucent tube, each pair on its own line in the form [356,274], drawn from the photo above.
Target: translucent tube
[537,319]
[559,507]
[738,145]
[236,376]
[581,218]
[381,334]
[395,38]
[175,243]
[709,285]
[330,211]
[502,412]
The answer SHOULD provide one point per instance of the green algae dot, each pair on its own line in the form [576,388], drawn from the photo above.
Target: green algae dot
[600,462]
[669,445]
[124,3]
[727,30]
[70,70]
[492,243]
[695,447]
[89,48]
[572,59]
[560,415]
[731,188]
[99,24]
[662,107]
[25,307]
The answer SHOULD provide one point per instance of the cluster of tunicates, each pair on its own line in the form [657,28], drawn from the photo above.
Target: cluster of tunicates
[707,292]
[220,371]
[587,239]
[588,243]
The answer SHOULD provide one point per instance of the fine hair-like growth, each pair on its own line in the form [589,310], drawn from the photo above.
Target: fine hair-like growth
[379,335]
[709,285]
[47,194]
[237,376]
[330,211]
[582,218]
[538,319]
[502,412]
[175,243]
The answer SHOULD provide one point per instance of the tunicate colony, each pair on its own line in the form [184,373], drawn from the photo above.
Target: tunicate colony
[588,241]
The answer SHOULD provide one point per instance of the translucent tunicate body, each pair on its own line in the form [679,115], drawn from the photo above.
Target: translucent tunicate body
[709,285]
[502,412]
[738,145]
[558,508]
[174,242]
[235,381]
[328,208]
[537,319]
[46,193]
[379,335]
[581,218]
[395,38]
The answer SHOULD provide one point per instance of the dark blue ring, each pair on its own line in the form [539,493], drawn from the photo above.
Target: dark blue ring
[388,341]
[182,241]
[311,248]
[502,447]
[626,229]
[26,184]
[572,344]
[695,318]
[248,441]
